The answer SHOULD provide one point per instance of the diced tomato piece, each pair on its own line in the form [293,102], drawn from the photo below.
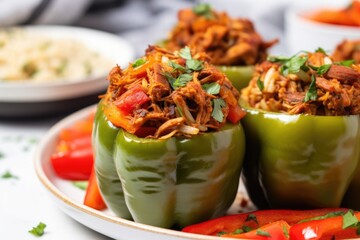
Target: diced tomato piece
[131,99]
[235,114]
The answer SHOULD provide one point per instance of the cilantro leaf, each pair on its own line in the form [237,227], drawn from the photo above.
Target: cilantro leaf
[311,94]
[8,175]
[80,184]
[182,80]
[138,62]
[280,59]
[346,63]
[38,231]
[211,88]
[286,231]
[251,217]
[238,231]
[295,63]
[176,66]
[194,65]
[217,113]
[319,49]
[323,69]
[170,79]
[260,84]
[262,233]
[246,228]
[203,9]
[328,215]
[349,220]
[185,53]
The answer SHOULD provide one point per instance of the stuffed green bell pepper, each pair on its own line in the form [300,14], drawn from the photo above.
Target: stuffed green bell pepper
[232,44]
[303,133]
[168,144]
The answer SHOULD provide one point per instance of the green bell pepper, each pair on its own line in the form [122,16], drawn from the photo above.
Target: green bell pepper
[300,161]
[239,76]
[167,183]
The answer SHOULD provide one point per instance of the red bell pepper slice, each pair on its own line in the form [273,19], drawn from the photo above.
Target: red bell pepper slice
[235,114]
[329,228]
[253,220]
[73,157]
[93,196]
[131,99]
[278,230]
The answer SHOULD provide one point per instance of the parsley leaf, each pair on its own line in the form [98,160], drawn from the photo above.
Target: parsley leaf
[211,88]
[80,184]
[182,80]
[280,59]
[260,84]
[319,49]
[194,65]
[251,217]
[138,62]
[311,94]
[38,231]
[8,175]
[185,53]
[328,215]
[176,66]
[170,78]
[295,63]
[217,113]
[246,228]
[346,63]
[262,233]
[323,69]
[286,231]
[204,10]
[349,220]
[358,229]
[238,231]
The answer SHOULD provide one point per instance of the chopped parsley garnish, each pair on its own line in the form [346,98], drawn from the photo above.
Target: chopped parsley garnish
[328,215]
[80,184]
[286,232]
[279,59]
[185,53]
[358,229]
[238,231]
[217,113]
[291,65]
[211,88]
[311,94]
[322,69]
[260,84]
[349,220]
[38,231]
[251,217]
[246,228]
[8,175]
[321,50]
[346,63]
[203,9]
[176,66]
[138,62]
[192,65]
[182,80]
[262,233]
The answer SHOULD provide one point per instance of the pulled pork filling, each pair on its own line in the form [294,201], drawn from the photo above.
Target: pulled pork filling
[347,50]
[227,41]
[309,83]
[165,94]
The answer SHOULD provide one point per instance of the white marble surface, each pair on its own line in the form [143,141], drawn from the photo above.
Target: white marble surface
[24,202]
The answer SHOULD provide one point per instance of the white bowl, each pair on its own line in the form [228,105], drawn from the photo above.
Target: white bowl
[27,98]
[304,34]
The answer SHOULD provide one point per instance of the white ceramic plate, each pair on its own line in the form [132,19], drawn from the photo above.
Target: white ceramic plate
[69,198]
[44,97]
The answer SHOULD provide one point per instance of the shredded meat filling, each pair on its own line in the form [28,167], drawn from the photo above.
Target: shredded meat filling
[177,102]
[311,83]
[227,41]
